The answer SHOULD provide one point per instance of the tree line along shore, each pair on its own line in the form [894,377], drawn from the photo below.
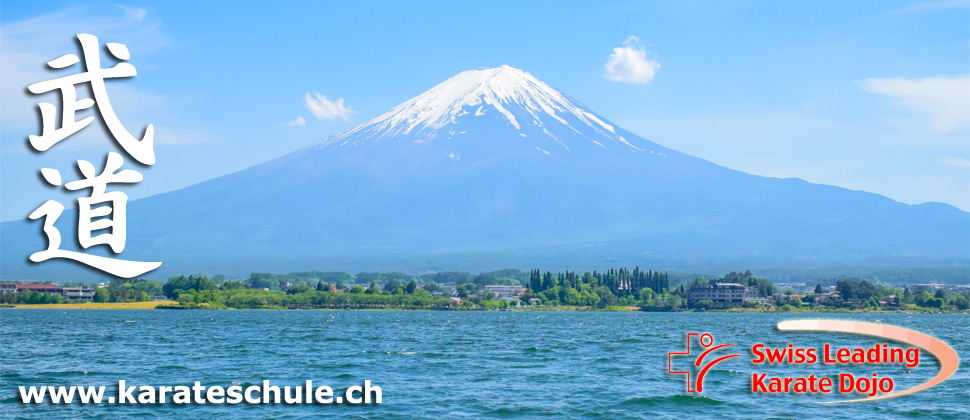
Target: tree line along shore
[613,289]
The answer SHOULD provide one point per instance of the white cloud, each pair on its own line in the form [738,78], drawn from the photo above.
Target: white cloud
[27,45]
[944,101]
[932,6]
[955,161]
[136,14]
[298,122]
[325,109]
[630,64]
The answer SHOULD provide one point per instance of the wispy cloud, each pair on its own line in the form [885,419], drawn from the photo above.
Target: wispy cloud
[298,122]
[28,44]
[944,101]
[325,109]
[933,6]
[630,64]
[955,161]
[136,14]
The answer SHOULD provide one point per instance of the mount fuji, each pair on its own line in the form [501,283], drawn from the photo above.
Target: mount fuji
[493,168]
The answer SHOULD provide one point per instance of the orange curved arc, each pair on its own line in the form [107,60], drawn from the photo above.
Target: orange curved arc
[700,377]
[944,353]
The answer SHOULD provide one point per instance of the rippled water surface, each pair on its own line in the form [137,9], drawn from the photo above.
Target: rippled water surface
[449,364]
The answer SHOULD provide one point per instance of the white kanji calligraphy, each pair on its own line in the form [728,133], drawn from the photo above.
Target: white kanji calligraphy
[142,150]
[101,210]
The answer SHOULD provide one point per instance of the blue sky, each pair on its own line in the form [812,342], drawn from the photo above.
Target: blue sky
[865,95]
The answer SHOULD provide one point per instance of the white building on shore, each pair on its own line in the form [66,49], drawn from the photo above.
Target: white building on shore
[504,291]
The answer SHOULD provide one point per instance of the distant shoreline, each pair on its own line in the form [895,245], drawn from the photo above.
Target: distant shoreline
[91,305]
[172,305]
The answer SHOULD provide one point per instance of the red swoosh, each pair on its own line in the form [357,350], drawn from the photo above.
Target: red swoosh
[701,357]
[700,378]
[944,353]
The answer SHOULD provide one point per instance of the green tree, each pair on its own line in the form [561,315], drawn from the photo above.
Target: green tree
[262,281]
[607,298]
[232,285]
[704,304]
[433,287]
[197,282]
[299,289]
[373,289]
[922,298]
[392,284]
[851,290]
[367,277]
[119,294]
[452,277]
[961,301]
[101,295]
[150,287]
[31,297]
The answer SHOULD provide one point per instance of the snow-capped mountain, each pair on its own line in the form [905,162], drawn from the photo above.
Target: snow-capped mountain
[515,97]
[493,168]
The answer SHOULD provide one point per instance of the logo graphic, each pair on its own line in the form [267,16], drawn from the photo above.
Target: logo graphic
[706,341]
[945,354]
[872,386]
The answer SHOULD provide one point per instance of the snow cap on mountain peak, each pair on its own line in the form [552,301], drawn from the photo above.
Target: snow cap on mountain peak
[517,95]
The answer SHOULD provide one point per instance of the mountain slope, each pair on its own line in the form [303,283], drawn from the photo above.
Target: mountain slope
[494,168]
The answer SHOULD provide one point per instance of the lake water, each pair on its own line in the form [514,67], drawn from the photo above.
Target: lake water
[449,364]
